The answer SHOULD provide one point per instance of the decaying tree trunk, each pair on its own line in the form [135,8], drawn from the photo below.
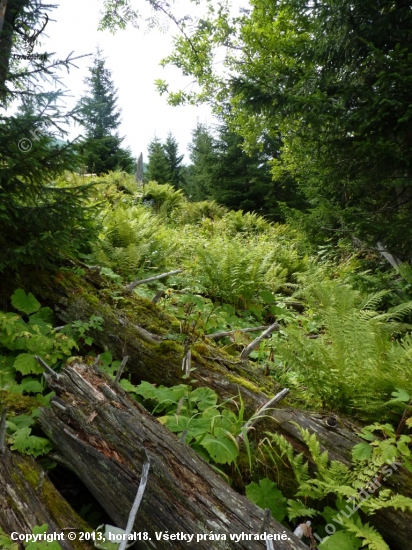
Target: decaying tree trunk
[105,437]
[137,328]
[27,499]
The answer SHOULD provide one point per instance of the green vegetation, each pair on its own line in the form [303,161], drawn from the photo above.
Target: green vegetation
[101,149]
[286,217]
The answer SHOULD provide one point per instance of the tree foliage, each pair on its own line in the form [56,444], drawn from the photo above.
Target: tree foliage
[165,165]
[333,80]
[102,149]
[223,171]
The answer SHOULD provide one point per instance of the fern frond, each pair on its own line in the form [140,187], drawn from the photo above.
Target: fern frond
[367,533]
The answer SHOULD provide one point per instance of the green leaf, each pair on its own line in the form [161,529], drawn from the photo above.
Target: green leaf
[28,385]
[267,297]
[366,434]
[296,509]
[23,421]
[204,398]
[26,303]
[362,451]
[128,386]
[42,544]
[221,449]
[267,495]
[7,376]
[27,364]
[25,443]
[400,396]
[6,543]
[174,422]
[389,450]
[46,314]
[341,540]
[106,358]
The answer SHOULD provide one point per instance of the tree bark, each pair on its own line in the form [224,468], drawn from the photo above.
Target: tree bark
[105,436]
[160,363]
[27,500]
[8,11]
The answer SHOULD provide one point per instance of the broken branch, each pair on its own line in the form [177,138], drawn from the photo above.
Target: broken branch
[253,345]
[138,282]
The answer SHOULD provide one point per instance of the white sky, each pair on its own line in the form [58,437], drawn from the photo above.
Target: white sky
[133,56]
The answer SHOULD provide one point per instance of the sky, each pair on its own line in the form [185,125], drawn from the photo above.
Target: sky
[133,56]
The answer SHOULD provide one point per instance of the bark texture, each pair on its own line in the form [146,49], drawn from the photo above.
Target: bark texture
[105,436]
[128,330]
[25,503]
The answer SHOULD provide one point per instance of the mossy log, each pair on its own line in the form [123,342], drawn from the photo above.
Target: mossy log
[159,362]
[105,437]
[138,328]
[27,500]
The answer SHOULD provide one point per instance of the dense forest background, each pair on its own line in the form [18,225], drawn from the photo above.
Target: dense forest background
[291,218]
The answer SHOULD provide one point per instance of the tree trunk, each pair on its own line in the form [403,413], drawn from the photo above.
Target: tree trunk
[105,436]
[8,11]
[160,363]
[27,500]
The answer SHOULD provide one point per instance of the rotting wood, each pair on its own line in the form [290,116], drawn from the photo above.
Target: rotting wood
[121,369]
[136,503]
[138,282]
[253,345]
[3,430]
[217,335]
[28,499]
[158,296]
[183,493]
[162,365]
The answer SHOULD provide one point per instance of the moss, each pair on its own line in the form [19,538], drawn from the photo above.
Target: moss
[166,347]
[243,382]
[90,299]
[58,508]
[20,404]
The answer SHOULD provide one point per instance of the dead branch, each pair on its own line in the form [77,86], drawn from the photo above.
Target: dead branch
[138,282]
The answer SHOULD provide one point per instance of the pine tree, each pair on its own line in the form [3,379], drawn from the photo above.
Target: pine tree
[102,149]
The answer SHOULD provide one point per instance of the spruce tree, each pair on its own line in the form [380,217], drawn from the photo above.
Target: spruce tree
[158,166]
[41,222]
[102,149]
[174,160]
[223,171]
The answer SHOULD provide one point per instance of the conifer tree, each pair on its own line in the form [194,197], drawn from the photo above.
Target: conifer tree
[174,160]
[40,221]
[223,171]
[139,169]
[102,149]
[158,166]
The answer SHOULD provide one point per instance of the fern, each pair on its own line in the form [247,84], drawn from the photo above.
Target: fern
[369,535]
[354,364]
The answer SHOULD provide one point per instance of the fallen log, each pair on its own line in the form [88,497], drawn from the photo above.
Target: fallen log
[183,494]
[160,363]
[138,328]
[28,499]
